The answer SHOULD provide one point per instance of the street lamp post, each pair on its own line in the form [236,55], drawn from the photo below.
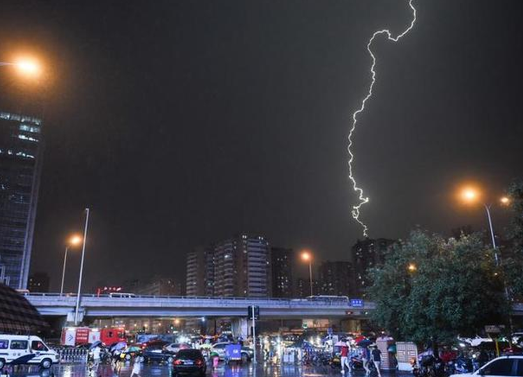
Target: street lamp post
[75,240]
[487,208]
[81,268]
[306,256]
[63,271]
[472,195]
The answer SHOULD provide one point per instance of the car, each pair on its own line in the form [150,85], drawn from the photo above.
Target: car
[189,361]
[175,347]
[157,354]
[247,353]
[504,366]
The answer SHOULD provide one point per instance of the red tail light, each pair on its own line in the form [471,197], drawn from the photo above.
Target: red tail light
[178,362]
[199,362]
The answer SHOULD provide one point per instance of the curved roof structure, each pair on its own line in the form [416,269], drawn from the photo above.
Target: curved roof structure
[17,315]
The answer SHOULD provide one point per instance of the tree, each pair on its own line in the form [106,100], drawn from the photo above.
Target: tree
[513,260]
[432,289]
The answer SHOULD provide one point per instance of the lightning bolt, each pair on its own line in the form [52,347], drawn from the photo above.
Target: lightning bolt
[362,199]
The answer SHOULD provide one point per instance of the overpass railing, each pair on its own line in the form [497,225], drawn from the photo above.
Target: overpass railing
[141,298]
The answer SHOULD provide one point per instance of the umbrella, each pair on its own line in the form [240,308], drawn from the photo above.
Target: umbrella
[95,344]
[364,343]
[17,315]
[359,338]
[119,346]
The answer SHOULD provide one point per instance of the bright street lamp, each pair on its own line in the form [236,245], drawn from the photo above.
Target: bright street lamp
[473,195]
[27,67]
[73,241]
[307,257]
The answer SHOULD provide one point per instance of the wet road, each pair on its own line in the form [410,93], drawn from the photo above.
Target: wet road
[261,370]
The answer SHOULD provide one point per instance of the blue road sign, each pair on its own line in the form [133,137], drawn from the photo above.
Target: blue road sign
[356,302]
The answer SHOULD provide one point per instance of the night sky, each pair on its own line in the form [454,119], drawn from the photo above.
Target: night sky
[180,123]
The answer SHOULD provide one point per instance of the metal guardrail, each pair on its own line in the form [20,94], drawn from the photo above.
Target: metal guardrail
[72,355]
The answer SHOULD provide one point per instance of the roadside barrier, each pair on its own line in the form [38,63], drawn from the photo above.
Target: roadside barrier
[72,355]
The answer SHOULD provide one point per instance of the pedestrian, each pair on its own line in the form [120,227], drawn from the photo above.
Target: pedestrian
[345,358]
[96,361]
[136,368]
[215,359]
[365,358]
[376,359]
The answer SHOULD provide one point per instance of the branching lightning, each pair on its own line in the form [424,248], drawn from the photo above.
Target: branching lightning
[362,199]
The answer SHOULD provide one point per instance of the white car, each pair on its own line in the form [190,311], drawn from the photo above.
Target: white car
[504,366]
[26,349]
[173,347]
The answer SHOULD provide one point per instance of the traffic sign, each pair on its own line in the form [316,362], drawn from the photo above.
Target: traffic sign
[356,302]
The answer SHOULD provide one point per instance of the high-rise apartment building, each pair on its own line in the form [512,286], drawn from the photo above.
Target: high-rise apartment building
[38,282]
[200,272]
[20,162]
[242,267]
[335,278]
[367,254]
[282,261]
[160,286]
[302,287]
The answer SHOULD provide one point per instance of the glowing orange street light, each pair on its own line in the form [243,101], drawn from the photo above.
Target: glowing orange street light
[26,66]
[412,267]
[72,241]
[307,257]
[75,240]
[472,195]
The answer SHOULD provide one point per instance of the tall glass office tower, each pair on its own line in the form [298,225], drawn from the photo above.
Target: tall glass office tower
[20,166]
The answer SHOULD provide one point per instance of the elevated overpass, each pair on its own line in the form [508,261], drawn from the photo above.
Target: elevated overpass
[103,306]
[93,306]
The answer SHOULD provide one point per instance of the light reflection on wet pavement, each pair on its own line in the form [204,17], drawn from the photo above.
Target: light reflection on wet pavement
[154,370]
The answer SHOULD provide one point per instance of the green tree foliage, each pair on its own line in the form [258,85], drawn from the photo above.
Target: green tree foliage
[513,258]
[451,288]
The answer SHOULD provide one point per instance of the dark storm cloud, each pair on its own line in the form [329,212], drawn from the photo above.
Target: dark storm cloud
[180,123]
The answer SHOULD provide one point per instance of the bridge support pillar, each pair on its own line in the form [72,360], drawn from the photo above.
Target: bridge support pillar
[240,327]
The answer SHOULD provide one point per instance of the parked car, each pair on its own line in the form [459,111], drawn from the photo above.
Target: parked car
[189,361]
[157,354]
[175,347]
[155,343]
[504,366]
[246,353]
[25,349]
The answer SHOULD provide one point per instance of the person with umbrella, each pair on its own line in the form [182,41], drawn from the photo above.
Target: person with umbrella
[96,351]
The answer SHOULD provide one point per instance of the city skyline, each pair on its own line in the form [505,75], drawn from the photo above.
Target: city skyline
[213,123]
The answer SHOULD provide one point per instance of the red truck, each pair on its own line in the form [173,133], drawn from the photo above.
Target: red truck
[74,336]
